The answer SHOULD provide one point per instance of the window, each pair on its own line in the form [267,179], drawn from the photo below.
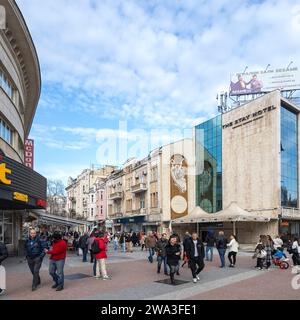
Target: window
[6,227]
[101,209]
[154,199]
[6,133]
[92,212]
[142,201]
[8,87]
[154,173]
[92,198]
[101,195]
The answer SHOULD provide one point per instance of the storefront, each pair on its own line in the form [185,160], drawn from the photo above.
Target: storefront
[21,189]
[130,224]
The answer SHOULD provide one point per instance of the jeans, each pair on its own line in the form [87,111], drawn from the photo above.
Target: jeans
[92,256]
[222,256]
[151,254]
[259,263]
[56,270]
[84,254]
[34,265]
[124,246]
[115,246]
[161,260]
[207,250]
[193,263]
[95,267]
[232,257]
[101,268]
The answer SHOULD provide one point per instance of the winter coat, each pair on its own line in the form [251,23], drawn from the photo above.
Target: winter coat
[160,247]
[90,241]
[186,239]
[34,248]
[83,242]
[59,250]
[190,249]
[233,246]
[210,240]
[221,242]
[3,252]
[172,258]
[150,242]
[102,254]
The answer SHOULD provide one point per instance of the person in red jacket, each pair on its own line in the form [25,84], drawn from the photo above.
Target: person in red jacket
[100,257]
[57,261]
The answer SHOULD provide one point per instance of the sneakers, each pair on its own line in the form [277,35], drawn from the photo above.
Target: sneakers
[2,291]
[197,277]
[106,278]
[54,286]
[195,280]
[60,288]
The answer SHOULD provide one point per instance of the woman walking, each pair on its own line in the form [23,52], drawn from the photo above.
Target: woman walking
[295,252]
[233,247]
[173,252]
[268,247]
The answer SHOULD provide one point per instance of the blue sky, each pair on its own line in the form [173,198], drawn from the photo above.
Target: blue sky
[122,77]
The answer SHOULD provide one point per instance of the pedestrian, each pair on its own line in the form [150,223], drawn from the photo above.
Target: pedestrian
[83,245]
[99,249]
[116,242]
[123,241]
[233,248]
[295,252]
[186,238]
[90,241]
[278,243]
[3,256]
[195,254]
[268,247]
[34,253]
[142,240]
[210,243]
[128,240]
[221,244]
[260,254]
[57,261]
[173,252]
[160,249]
[150,244]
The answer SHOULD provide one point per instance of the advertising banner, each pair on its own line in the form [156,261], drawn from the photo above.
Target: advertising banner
[28,153]
[264,81]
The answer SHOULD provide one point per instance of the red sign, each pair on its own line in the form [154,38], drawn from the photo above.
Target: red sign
[28,153]
[41,203]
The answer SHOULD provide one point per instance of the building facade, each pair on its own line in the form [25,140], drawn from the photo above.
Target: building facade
[21,189]
[251,158]
[82,193]
[147,194]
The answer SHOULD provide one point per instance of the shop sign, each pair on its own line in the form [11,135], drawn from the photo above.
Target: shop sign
[20,197]
[3,174]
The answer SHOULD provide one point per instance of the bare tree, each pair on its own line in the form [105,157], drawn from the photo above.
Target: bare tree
[56,197]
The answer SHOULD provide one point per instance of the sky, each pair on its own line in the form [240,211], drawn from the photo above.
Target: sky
[120,78]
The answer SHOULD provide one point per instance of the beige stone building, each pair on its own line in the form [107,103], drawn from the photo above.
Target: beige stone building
[144,195]
[79,200]
[21,188]
[248,183]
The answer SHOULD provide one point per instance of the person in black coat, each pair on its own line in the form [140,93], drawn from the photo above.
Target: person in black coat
[195,253]
[173,252]
[3,256]
[221,244]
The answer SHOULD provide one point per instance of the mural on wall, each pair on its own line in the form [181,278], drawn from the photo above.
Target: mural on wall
[179,186]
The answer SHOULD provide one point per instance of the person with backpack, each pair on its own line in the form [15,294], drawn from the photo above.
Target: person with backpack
[221,243]
[83,245]
[57,260]
[34,253]
[99,250]
[295,251]
[3,256]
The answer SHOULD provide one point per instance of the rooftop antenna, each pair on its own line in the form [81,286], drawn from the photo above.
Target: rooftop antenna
[245,69]
[267,67]
[290,64]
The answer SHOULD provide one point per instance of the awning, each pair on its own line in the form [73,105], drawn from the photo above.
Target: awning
[231,213]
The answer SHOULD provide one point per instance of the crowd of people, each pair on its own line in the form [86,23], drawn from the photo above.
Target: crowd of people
[169,251]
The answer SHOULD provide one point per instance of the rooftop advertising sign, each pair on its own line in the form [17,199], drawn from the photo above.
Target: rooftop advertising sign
[264,81]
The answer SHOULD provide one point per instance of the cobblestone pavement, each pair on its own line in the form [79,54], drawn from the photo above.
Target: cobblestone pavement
[133,277]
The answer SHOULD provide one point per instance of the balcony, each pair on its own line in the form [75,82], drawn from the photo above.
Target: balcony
[140,187]
[116,195]
[139,211]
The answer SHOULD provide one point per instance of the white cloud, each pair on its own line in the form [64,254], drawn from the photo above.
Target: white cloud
[157,62]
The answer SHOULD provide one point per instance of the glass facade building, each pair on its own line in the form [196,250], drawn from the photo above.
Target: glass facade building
[209,165]
[289,158]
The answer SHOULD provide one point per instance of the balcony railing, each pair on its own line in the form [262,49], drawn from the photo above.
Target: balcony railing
[140,187]
[139,211]
[116,195]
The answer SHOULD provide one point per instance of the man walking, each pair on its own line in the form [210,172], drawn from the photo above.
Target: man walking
[83,245]
[57,261]
[221,243]
[195,254]
[150,244]
[160,249]
[210,243]
[3,256]
[34,252]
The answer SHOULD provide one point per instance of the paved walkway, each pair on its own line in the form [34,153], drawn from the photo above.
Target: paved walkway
[133,277]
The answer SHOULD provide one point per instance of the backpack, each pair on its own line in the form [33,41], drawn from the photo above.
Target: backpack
[95,247]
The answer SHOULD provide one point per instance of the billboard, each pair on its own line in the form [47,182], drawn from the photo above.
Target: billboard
[264,81]
[28,153]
